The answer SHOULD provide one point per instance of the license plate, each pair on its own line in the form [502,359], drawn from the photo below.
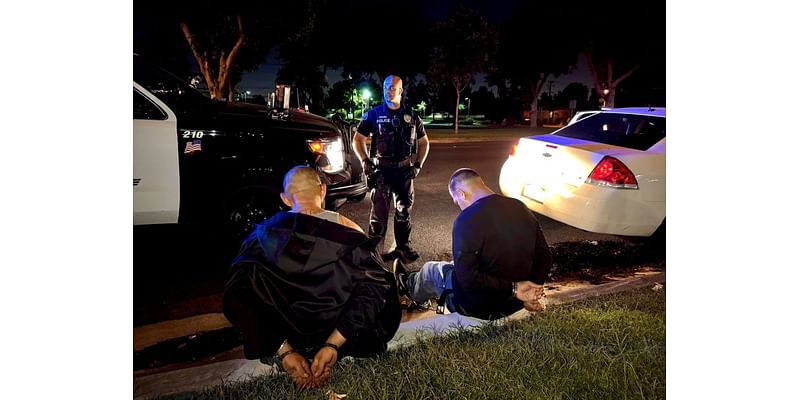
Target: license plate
[535,192]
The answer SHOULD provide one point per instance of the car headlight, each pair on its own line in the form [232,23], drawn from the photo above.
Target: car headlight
[331,152]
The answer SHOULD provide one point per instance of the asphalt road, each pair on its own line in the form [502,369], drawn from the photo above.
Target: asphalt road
[179,274]
[433,212]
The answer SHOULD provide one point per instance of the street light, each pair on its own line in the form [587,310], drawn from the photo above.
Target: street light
[246,93]
[366,95]
[469,103]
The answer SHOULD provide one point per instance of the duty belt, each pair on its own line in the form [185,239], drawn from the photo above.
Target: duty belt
[384,163]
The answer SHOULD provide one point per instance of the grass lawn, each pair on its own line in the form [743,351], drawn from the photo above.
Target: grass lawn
[610,347]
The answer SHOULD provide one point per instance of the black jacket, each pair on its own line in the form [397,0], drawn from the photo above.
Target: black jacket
[496,241]
[298,277]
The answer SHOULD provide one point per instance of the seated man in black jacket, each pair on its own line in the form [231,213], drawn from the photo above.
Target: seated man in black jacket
[501,258]
[307,285]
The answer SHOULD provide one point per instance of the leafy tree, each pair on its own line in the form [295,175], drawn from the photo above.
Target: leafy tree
[355,35]
[228,38]
[372,37]
[464,46]
[535,30]
[574,91]
[303,65]
[481,100]
[156,37]
[623,37]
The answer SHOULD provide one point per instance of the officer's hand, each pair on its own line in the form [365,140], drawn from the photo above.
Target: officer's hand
[369,166]
[413,171]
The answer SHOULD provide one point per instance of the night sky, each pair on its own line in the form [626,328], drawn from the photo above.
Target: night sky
[262,81]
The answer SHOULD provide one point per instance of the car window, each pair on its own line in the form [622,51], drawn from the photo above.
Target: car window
[145,109]
[638,132]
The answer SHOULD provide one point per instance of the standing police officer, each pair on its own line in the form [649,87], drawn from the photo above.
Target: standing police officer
[397,152]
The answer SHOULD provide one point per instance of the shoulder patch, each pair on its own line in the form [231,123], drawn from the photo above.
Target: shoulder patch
[407,118]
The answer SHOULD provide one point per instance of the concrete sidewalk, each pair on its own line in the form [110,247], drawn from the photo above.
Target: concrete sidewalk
[424,325]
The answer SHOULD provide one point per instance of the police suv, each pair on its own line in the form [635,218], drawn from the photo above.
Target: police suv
[221,164]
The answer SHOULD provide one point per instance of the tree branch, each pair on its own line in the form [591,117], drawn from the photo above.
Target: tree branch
[239,43]
[226,63]
[202,60]
[540,85]
[593,71]
[625,75]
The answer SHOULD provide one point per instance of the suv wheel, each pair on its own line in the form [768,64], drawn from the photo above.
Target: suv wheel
[246,209]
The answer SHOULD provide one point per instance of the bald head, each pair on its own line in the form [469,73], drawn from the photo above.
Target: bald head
[301,178]
[393,91]
[467,187]
[302,187]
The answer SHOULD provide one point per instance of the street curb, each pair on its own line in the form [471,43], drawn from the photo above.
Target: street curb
[204,376]
[148,335]
[574,295]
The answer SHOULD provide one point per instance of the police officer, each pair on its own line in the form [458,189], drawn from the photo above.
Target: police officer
[397,153]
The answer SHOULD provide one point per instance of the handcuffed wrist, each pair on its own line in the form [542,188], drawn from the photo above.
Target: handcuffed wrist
[286,353]
[331,345]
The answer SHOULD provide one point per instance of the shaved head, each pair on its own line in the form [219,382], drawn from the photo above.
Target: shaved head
[467,187]
[393,91]
[301,179]
[463,178]
[390,80]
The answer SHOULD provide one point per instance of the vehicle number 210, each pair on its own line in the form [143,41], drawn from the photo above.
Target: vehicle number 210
[193,134]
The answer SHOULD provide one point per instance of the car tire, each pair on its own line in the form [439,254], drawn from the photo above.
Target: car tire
[656,243]
[247,208]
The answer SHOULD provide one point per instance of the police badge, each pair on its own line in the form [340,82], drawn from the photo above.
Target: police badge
[407,118]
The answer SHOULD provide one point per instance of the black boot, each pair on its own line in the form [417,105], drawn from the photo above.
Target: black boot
[407,253]
[401,275]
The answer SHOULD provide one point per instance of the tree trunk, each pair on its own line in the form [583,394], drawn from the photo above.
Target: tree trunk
[217,86]
[458,101]
[610,97]
[536,89]
[535,112]
[610,84]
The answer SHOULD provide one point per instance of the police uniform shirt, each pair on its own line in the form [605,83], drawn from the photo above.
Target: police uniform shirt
[392,130]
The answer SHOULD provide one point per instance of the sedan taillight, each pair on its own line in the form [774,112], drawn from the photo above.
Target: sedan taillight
[611,172]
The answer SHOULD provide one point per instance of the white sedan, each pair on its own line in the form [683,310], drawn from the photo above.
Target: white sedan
[605,173]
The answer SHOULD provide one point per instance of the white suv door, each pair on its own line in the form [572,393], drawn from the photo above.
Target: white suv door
[156,180]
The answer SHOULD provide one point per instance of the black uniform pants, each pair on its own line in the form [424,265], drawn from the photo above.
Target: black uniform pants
[394,186]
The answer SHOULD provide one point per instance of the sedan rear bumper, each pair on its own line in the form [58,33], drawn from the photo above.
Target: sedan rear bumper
[588,207]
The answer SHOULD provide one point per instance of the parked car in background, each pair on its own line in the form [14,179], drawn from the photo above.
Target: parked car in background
[221,164]
[605,173]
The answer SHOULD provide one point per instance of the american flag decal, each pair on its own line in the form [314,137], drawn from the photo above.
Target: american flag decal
[193,146]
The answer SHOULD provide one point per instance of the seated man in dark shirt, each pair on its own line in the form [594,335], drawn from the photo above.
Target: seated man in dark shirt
[309,288]
[501,258]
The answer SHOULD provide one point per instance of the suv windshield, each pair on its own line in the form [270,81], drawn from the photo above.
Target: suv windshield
[170,89]
[638,132]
